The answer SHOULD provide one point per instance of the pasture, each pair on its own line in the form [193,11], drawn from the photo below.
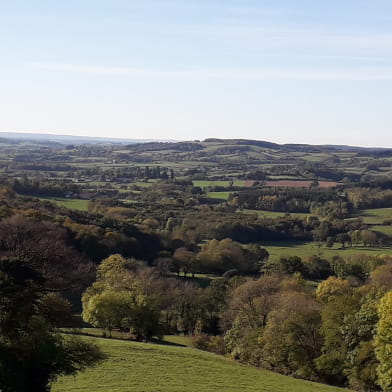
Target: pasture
[73,204]
[218,195]
[305,249]
[210,183]
[142,367]
[376,216]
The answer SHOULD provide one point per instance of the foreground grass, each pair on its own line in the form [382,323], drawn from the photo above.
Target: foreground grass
[140,367]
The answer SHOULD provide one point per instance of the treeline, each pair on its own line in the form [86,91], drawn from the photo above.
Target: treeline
[289,199]
[36,187]
[338,333]
[134,173]
[362,198]
[324,202]
[42,167]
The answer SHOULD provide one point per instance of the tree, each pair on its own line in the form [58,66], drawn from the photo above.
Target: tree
[369,238]
[358,334]
[317,267]
[331,287]
[221,256]
[343,238]
[287,265]
[381,277]
[383,342]
[186,260]
[121,298]
[44,246]
[291,340]
[329,243]
[339,306]
[32,352]
[246,316]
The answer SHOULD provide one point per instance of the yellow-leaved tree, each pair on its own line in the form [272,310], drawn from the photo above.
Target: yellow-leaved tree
[383,342]
[118,299]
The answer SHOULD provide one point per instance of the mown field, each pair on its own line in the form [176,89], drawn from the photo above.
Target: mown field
[141,367]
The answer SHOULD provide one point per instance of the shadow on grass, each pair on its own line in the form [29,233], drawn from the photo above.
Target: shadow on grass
[166,343]
[283,244]
[122,337]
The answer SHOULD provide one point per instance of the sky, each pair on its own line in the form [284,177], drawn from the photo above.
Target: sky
[304,71]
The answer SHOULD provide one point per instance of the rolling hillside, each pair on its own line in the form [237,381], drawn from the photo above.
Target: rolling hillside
[139,367]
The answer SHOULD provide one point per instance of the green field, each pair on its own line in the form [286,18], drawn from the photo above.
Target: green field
[218,195]
[301,249]
[141,367]
[209,183]
[74,204]
[273,214]
[143,184]
[376,215]
[383,229]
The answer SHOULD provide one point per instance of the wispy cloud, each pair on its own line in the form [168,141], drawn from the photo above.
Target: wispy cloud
[367,74]
[318,38]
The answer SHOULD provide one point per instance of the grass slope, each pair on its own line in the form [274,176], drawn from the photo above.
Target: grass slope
[140,367]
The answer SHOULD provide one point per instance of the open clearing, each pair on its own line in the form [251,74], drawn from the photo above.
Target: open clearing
[141,367]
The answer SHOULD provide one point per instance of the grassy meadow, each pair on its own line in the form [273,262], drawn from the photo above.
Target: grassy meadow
[73,204]
[218,195]
[305,249]
[210,183]
[376,215]
[141,367]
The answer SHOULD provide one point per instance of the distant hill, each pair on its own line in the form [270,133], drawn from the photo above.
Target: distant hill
[67,139]
[161,144]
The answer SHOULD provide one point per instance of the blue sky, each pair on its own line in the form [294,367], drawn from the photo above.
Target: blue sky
[304,71]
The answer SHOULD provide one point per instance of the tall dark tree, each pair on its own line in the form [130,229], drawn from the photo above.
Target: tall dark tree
[32,352]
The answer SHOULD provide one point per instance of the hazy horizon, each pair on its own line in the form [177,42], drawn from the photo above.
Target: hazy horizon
[146,140]
[309,72]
